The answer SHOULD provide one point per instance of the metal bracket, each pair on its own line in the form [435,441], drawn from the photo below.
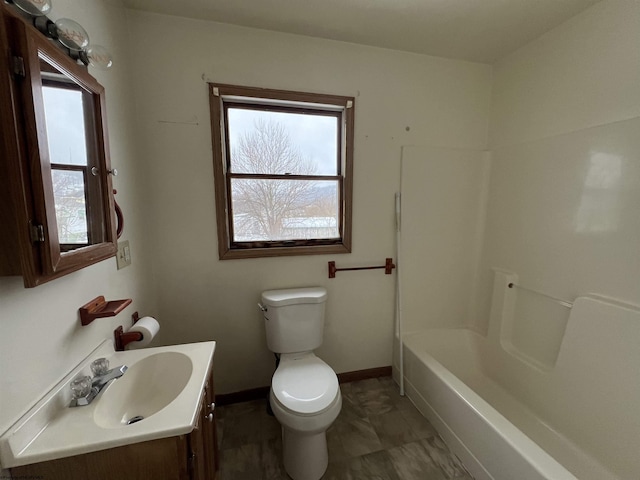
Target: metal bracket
[36,232]
[18,66]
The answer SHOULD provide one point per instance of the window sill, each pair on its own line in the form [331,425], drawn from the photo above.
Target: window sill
[232,254]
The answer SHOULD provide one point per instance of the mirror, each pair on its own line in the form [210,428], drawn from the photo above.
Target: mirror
[68,113]
[74,169]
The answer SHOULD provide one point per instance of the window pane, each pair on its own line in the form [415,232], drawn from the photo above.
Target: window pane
[65,125]
[280,142]
[271,210]
[71,209]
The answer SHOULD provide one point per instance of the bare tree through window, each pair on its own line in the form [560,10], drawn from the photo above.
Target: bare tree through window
[279,209]
[70,205]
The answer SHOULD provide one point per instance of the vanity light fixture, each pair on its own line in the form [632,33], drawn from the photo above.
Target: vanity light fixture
[68,33]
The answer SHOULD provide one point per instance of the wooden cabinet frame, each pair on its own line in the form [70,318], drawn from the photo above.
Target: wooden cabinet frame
[29,237]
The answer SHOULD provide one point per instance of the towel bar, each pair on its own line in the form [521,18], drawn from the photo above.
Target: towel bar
[388,267]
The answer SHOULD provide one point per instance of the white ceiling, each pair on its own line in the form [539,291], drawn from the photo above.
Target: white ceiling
[475,30]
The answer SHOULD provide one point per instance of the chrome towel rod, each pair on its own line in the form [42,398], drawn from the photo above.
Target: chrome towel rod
[564,303]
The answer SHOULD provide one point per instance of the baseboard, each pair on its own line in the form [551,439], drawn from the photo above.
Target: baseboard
[347,377]
[242,396]
[262,392]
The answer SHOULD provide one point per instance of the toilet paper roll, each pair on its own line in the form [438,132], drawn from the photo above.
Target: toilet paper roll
[148,327]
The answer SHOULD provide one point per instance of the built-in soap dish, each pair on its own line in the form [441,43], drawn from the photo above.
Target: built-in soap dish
[100,308]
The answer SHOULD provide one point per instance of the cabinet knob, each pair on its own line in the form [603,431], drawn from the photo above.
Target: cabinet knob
[211,406]
[95,171]
[209,417]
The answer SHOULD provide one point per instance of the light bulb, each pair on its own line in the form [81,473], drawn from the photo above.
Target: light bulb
[99,57]
[71,34]
[34,7]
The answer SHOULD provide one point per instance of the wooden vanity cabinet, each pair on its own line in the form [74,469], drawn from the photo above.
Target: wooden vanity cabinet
[185,457]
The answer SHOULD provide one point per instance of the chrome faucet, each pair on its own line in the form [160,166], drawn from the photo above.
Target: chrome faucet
[100,381]
[84,392]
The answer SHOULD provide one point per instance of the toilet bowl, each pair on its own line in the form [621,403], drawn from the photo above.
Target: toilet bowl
[305,398]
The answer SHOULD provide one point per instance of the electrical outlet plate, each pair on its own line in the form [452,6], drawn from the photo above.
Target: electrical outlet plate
[123,255]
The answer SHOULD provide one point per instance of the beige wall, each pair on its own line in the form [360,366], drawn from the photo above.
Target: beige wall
[565,180]
[40,334]
[401,99]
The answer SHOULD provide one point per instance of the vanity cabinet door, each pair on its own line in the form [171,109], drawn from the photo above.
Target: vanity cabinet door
[210,433]
[197,448]
[203,440]
[163,459]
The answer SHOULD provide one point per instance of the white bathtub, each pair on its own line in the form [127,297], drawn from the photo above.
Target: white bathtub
[454,395]
[509,419]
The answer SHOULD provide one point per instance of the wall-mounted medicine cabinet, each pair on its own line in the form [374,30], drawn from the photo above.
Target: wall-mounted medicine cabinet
[56,199]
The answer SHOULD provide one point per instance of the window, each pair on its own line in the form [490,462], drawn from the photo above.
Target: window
[283,171]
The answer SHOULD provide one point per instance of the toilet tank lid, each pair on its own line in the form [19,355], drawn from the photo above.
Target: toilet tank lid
[292,296]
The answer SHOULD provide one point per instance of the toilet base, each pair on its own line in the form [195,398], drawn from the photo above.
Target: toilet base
[305,456]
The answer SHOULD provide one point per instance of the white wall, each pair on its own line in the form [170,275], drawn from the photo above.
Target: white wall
[401,99]
[565,181]
[40,335]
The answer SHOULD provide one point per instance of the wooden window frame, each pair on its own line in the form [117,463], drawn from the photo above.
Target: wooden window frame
[222,97]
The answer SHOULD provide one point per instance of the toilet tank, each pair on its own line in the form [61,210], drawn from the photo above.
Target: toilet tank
[294,319]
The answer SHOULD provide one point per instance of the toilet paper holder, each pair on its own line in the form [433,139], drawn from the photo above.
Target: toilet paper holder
[122,339]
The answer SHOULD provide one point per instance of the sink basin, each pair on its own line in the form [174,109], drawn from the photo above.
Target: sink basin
[147,387]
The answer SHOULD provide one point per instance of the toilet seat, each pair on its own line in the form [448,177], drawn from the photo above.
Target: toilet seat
[304,384]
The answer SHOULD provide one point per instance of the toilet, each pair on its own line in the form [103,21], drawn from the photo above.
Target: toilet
[305,395]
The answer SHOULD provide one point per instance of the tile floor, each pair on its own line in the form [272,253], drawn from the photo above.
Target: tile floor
[378,435]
